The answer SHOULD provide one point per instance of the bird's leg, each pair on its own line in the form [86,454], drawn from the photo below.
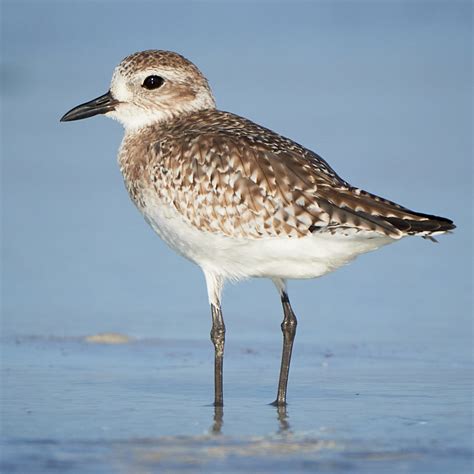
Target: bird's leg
[288,328]
[218,339]
[214,289]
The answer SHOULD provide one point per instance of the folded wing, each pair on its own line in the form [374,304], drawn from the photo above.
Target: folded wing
[259,184]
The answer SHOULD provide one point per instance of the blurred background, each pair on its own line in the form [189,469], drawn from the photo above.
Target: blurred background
[382,90]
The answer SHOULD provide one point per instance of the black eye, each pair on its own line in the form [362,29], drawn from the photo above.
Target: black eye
[153,82]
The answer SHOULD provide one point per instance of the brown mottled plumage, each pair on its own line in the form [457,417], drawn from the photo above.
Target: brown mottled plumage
[236,198]
[225,174]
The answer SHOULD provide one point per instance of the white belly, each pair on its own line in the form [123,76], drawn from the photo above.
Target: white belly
[277,257]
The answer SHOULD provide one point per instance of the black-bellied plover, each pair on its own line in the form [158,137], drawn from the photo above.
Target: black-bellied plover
[236,198]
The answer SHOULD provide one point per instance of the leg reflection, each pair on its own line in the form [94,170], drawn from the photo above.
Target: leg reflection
[218,420]
[284,425]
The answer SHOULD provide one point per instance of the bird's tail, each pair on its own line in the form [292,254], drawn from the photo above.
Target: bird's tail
[370,212]
[409,222]
[425,225]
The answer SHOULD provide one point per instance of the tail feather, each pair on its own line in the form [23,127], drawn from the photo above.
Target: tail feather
[368,211]
[429,225]
[405,220]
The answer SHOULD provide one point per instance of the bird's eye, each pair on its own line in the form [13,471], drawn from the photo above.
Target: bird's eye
[153,82]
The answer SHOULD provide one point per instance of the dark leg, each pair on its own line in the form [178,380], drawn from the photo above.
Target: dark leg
[218,339]
[288,327]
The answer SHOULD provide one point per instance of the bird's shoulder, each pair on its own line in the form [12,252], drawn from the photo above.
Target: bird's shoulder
[211,136]
[226,174]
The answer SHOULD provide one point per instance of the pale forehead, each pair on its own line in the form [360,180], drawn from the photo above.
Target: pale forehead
[155,59]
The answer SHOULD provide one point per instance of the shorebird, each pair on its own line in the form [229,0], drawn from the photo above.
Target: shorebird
[236,198]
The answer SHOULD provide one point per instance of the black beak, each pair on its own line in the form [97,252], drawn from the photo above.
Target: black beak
[103,104]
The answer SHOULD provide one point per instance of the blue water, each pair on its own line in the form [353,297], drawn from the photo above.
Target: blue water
[382,370]
[73,406]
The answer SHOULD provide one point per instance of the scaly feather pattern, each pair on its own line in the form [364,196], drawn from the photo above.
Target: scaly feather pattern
[225,174]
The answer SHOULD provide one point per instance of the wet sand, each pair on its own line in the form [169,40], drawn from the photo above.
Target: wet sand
[112,403]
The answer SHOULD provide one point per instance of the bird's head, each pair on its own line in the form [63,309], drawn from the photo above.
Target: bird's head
[149,87]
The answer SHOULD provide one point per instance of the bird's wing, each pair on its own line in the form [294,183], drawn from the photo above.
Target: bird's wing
[252,186]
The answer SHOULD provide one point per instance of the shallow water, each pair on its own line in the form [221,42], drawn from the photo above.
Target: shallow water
[143,405]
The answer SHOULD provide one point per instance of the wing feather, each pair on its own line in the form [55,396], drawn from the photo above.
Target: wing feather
[246,181]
